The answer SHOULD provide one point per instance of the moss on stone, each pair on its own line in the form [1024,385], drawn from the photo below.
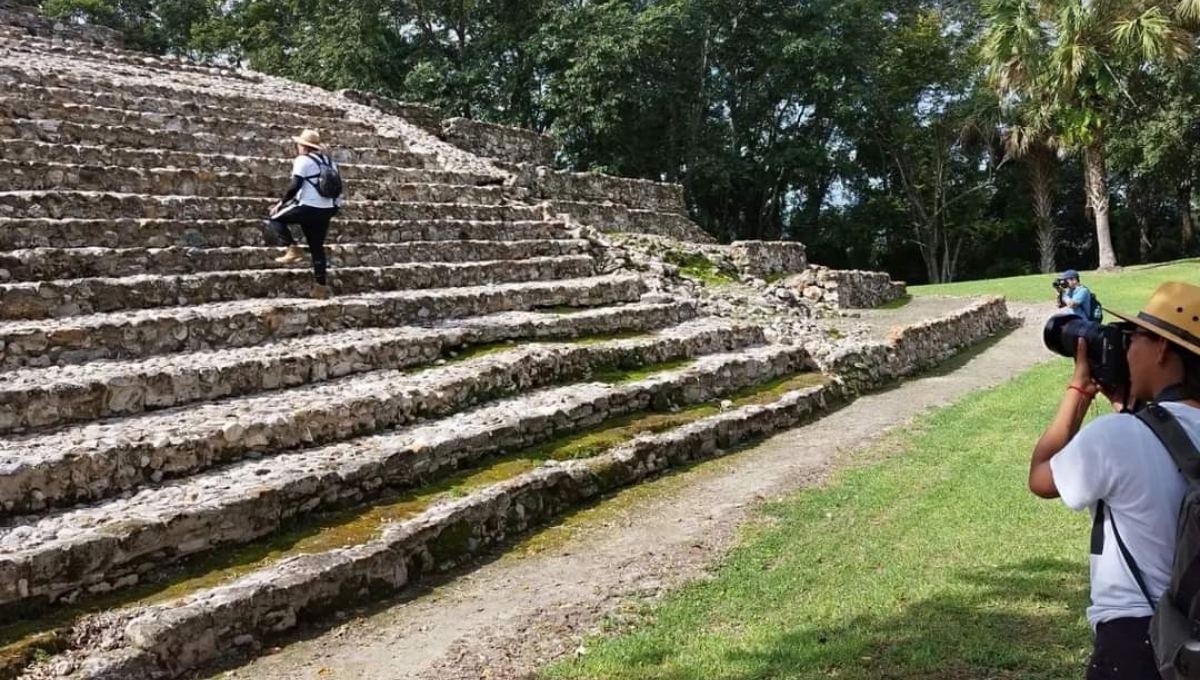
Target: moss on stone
[619,376]
[697,266]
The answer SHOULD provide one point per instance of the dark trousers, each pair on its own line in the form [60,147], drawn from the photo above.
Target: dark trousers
[1123,652]
[314,222]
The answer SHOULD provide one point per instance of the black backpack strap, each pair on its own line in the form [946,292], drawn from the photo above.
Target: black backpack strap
[1183,452]
[1098,527]
[1174,438]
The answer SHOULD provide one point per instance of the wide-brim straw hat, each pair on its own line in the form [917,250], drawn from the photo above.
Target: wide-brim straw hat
[1173,312]
[309,138]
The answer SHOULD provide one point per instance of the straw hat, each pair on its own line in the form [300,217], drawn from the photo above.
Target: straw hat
[309,138]
[1173,312]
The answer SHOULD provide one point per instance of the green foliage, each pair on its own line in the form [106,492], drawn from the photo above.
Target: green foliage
[864,128]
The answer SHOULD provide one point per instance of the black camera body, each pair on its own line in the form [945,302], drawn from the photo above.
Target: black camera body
[1106,345]
[1059,284]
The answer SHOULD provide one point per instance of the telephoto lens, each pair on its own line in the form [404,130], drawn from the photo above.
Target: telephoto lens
[1106,344]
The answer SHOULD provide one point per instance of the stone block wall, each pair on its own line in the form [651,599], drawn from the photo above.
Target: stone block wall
[510,144]
[27,18]
[909,349]
[847,289]
[764,259]
[546,182]
[428,118]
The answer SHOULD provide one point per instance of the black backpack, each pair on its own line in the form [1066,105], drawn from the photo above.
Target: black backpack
[327,181]
[1175,628]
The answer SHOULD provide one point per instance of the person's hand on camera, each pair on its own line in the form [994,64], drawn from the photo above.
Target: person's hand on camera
[1082,380]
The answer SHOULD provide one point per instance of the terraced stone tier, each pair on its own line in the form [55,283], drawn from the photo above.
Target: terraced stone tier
[252,322]
[173,106]
[90,462]
[25,233]
[45,264]
[108,56]
[93,81]
[42,176]
[424,201]
[270,135]
[417,167]
[107,546]
[131,136]
[165,640]
[38,398]
[73,297]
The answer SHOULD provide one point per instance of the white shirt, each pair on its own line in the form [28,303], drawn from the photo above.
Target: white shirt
[1119,460]
[305,166]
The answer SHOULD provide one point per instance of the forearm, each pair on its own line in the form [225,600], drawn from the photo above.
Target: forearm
[1063,428]
[294,188]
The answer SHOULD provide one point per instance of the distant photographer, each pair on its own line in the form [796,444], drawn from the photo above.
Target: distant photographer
[1073,295]
[1124,473]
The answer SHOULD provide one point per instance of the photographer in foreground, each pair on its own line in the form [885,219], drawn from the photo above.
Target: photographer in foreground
[1119,468]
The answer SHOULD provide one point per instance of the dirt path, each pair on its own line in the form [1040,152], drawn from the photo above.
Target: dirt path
[510,616]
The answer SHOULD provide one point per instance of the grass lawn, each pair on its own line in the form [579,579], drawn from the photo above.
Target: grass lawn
[925,558]
[1125,290]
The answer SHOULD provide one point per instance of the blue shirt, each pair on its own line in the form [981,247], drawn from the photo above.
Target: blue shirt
[1082,297]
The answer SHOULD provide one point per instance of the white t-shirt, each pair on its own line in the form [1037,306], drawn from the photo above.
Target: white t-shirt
[1119,460]
[305,166]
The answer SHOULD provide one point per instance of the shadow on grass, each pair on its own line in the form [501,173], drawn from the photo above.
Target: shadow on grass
[1023,620]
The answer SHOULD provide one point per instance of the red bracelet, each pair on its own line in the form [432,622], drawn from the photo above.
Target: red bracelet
[1080,390]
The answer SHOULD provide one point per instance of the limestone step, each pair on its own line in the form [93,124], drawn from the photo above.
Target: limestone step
[75,297]
[46,264]
[245,323]
[81,52]
[118,99]
[417,167]
[111,205]
[25,233]
[42,176]
[93,80]
[107,546]
[134,136]
[270,136]
[246,612]
[47,397]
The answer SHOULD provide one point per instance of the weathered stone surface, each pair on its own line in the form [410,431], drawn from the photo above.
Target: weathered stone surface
[845,289]
[74,297]
[250,322]
[426,117]
[121,99]
[161,635]
[548,183]
[25,233]
[610,217]
[60,553]
[44,176]
[43,264]
[34,24]
[866,365]
[107,205]
[765,259]
[501,142]
[405,167]
[38,398]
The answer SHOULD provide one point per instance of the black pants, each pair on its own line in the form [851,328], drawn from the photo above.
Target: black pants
[314,222]
[1123,652]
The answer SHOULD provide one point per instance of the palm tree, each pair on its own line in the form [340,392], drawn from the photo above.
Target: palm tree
[1069,56]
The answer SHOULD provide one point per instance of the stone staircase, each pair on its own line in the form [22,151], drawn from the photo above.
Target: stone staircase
[167,395]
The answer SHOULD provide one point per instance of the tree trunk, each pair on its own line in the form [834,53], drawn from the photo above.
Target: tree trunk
[1184,198]
[1096,181]
[1041,181]
[1139,204]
